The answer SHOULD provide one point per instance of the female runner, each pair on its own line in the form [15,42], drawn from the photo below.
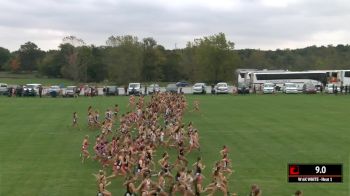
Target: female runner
[84,149]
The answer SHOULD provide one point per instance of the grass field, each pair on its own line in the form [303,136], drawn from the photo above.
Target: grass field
[22,79]
[28,78]
[40,151]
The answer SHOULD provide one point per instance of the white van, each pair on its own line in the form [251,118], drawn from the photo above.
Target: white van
[134,89]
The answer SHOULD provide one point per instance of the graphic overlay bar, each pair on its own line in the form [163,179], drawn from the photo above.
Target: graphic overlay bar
[315,173]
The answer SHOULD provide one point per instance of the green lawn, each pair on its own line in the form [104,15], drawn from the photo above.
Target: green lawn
[40,151]
[21,79]
[43,81]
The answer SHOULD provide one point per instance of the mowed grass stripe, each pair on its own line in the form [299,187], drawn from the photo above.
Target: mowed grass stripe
[36,153]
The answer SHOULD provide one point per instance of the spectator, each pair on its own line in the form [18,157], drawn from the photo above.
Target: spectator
[346,89]
[9,91]
[27,92]
[341,88]
[125,90]
[243,90]
[234,89]
[335,89]
[40,91]
[105,90]
[14,91]
[212,89]
[76,92]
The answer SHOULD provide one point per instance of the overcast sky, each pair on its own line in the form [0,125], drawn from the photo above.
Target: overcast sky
[264,24]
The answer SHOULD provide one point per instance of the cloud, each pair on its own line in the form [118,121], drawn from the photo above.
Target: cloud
[278,3]
[264,24]
[48,38]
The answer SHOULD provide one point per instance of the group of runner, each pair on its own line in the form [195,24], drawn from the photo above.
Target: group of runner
[130,150]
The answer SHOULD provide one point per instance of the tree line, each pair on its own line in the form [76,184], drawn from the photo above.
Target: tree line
[125,59]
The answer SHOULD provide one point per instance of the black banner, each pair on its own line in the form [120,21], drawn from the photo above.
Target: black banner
[315,173]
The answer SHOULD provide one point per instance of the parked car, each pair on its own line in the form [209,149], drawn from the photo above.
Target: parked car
[290,88]
[172,88]
[28,90]
[70,91]
[3,89]
[32,86]
[269,88]
[221,88]
[309,88]
[134,89]
[199,88]
[111,90]
[242,89]
[331,88]
[54,91]
[153,88]
[182,84]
